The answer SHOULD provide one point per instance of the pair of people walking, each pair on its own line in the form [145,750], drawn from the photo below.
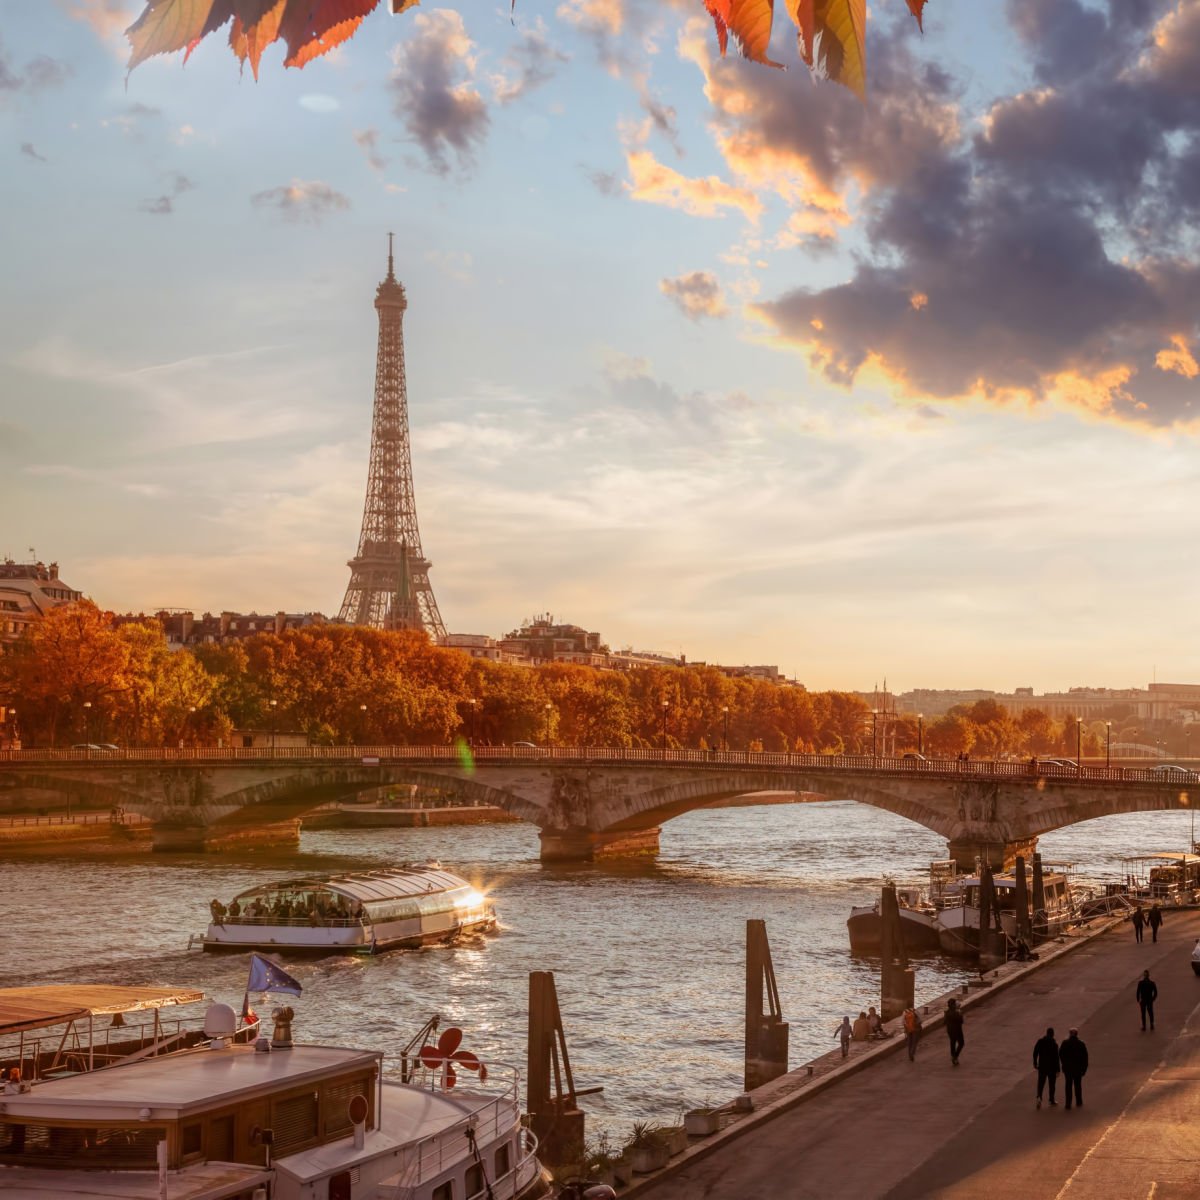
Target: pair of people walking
[1071,1058]
[1140,920]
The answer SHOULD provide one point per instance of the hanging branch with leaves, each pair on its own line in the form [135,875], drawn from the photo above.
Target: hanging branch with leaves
[831,34]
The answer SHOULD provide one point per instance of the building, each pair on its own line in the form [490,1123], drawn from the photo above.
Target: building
[479,645]
[183,628]
[540,640]
[28,591]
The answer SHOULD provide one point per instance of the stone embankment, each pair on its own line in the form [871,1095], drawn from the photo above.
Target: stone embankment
[100,834]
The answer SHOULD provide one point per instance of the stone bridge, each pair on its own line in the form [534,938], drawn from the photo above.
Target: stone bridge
[594,802]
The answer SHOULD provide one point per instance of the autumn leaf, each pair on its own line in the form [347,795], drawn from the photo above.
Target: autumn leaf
[750,22]
[915,7]
[314,27]
[842,45]
[169,25]
[255,27]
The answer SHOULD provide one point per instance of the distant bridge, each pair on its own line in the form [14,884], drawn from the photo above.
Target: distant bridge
[591,802]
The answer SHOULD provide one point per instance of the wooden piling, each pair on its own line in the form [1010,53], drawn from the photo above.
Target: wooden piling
[1039,899]
[766,1031]
[554,1115]
[897,984]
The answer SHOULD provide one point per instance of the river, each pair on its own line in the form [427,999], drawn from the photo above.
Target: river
[647,955]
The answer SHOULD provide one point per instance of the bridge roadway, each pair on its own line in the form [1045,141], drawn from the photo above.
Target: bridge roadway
[591,802]
[927,1130]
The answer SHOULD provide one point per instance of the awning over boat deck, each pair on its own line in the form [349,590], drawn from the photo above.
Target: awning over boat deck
[25,1008]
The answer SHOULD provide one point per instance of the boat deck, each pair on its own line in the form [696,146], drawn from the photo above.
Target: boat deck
[201,1182]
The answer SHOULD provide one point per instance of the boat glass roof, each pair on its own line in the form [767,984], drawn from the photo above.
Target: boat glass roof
[369,885]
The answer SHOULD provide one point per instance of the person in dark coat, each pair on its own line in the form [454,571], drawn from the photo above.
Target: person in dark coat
[1073,1057]
[1138,922]
[954,1029]
[1045,1059]
[1147,993]
[1154,920]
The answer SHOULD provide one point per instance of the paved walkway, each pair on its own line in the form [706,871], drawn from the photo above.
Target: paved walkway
[931,1131]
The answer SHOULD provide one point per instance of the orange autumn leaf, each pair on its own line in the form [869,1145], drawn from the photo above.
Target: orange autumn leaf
[831,33]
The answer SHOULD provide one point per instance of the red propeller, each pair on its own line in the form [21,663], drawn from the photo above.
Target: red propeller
[447,1053]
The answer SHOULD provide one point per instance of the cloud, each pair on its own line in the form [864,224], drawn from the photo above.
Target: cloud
[307,202]
[107,17]
[433,90]
[164,205]
[602,23]
[697,294]
[653,183]
[28,149]
[607,183]
[37,75]
[1052,242]
[367,140]
[527,65]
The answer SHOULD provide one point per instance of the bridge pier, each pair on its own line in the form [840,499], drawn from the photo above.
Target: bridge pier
[1000,856]
[585,845]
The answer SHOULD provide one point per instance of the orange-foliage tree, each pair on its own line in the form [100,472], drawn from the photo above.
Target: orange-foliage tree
[831,34]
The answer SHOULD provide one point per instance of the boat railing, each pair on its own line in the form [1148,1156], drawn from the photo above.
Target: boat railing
[495,1115]
[294,922]
[81,1045]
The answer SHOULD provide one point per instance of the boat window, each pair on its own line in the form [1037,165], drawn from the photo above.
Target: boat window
[474,1181]
[444,1191]
[294,1121]
[503,1161]
[50,1145]
[190,1139]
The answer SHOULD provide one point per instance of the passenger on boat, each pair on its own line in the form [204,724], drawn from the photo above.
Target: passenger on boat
[218,912]
[862,1028]
[235,909]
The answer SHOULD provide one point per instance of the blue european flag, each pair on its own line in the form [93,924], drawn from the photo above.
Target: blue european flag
[266,976]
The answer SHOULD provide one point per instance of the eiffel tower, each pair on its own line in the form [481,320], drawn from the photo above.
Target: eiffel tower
[389,576]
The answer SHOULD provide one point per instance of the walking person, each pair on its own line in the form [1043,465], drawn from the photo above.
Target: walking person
[1045,1059]
[1073,1057]
[1138,922]
[954,1030]
[912,1031]
[1154,920]
[1147,993]
[1196,958]
[845,1031]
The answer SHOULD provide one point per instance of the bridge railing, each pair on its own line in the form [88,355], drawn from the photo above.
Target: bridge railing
[981,769]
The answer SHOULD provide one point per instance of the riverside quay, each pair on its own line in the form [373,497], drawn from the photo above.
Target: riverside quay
[590,802]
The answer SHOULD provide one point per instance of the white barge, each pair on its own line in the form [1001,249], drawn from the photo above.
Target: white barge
[227,1120]
[363,913]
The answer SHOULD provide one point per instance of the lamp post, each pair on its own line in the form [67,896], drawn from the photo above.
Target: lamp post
[474,705]
[12,728]
[274,704]
[665,706]
[920,733]
[362,722]
[191,716]
[1078,745]
[87,727]
[546,727]
[874,727]
[725,739]
[1107,745]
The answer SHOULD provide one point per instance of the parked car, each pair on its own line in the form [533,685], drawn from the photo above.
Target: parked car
[93,747]
[1172,773]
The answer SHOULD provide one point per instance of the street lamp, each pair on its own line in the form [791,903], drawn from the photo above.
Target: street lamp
[362,722]
[273,703]
[920,733]
[87,727]
[191,716]
[1107,744]
[1078,744]
[874,726]
[666,705]
[474,705]
[546,729]
[725,742]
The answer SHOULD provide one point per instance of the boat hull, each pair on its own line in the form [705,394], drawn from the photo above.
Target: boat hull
[317,940]
[865,927]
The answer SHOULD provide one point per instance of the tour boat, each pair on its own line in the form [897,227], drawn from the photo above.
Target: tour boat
[230,1119]
[918,914]
[363,913]
[958,925]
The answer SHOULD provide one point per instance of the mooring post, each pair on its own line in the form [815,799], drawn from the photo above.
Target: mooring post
[991,953]
[1024,925]
[766,1032]
[1039,899]
[897,984]
[554,1116]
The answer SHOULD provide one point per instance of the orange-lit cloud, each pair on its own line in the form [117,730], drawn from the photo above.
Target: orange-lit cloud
[107,17]
[654,183]
[697,294]
[1178,358]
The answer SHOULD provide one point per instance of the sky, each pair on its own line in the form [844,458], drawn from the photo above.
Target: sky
[713,358]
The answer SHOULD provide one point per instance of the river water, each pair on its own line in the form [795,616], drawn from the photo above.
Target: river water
[648,956]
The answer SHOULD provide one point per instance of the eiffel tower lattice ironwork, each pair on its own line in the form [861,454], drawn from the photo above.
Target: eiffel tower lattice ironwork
[389,576]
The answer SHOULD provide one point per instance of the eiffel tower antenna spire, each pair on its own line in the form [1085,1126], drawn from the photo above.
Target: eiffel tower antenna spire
[389,576]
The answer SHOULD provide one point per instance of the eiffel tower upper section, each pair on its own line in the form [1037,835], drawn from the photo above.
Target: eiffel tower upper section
[389,576]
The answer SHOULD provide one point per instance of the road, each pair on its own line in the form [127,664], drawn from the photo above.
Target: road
[931,1131]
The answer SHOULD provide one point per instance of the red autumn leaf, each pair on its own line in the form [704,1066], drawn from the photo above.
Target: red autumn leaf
[255,27]
[915,7]
[719,11]
[314,27]
[805,18]
[750,23]
[169,25]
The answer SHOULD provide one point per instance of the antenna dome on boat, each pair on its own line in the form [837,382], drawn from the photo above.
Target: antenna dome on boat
[220,1021]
